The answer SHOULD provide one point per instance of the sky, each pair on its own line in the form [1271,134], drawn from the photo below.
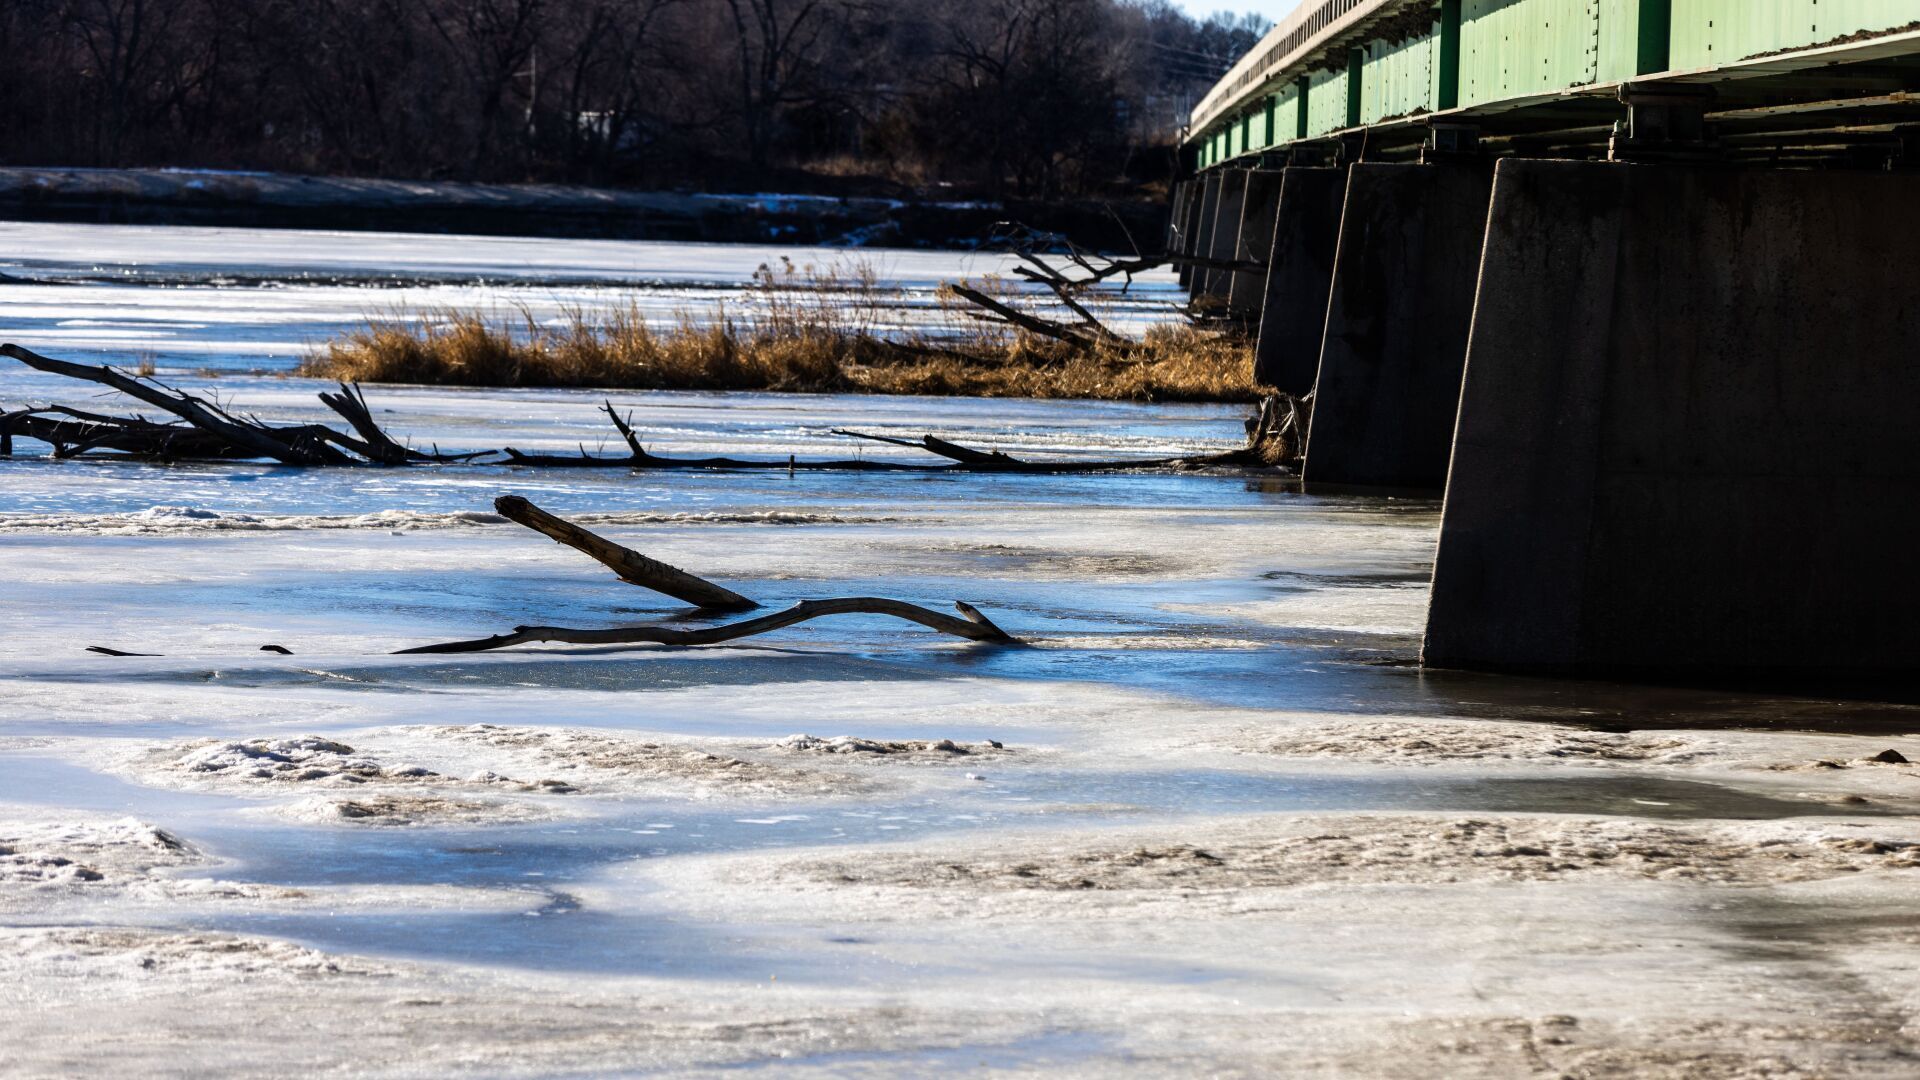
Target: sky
[1272,9]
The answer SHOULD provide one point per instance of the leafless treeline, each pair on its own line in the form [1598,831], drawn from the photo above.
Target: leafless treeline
[1039,98]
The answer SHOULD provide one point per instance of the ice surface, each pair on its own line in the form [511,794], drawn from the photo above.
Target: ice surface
[1229,825]
[224,299]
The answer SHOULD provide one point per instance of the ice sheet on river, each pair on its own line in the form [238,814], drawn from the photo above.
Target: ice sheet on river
[1229,826]
[246,299]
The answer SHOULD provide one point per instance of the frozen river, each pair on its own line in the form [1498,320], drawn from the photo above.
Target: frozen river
[258,299]
[1211,819]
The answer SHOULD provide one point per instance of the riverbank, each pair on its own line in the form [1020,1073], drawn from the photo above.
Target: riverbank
[290,201]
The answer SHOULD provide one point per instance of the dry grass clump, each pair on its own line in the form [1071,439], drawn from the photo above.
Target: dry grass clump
[806,332]
[467,349]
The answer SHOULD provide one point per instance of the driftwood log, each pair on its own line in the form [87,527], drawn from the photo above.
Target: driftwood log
[631,566]
[207,430]
[974,627]
[204,430]
[73,433]
[961,459]
[637,569]
[293,446]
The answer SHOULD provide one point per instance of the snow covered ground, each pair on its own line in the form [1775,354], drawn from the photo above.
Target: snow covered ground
[1210,820]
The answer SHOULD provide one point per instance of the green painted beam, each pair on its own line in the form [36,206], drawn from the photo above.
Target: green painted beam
[1356,64]
[1655,34]
[1711,33]
[1477,52]
[1446,90]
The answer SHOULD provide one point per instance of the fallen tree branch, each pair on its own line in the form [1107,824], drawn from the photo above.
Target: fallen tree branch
[207,430]
[726,464]
[210,432]
[375,444]
[1029,244]
[631,566]
[936,445]
[962,459]
[91,431]
[973,627]
[257,438]
[1063,291]
[1015,317]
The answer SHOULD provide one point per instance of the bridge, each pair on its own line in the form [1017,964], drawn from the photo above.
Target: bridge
[1636,283]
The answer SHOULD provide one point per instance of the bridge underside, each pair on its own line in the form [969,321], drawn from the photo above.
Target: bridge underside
[1655,331]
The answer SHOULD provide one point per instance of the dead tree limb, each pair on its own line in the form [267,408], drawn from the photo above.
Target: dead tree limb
[86,432]
[961,459]
[631,566]
[257,438]
[1015,317]
[378,446]
[935,445]
[655,461]
[1063,291]
[974,627]
[1029,244]
[626,430]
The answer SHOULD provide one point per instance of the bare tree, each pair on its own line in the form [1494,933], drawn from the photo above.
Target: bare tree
[123,40]
[1046,98]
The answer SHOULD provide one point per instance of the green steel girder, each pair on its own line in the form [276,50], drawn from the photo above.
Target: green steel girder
[1395,59]
[1712,33]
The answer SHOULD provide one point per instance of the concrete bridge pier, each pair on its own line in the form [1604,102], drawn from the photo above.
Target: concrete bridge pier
[1398,310]
[1206,204]
[1225,239]
[1689,432]
[1246,289]
[1293,316]
[1186,225]
[1177,223]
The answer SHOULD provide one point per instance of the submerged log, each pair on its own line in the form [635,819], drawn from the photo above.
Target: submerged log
[631,566]
[973,627]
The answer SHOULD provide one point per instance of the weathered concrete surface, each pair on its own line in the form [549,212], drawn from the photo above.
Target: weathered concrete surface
[1226,233]
[1189,222]
[1398,312]
[1688,436]
[1293,319]
[1179,224]
[1246,290]
[1208,203]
